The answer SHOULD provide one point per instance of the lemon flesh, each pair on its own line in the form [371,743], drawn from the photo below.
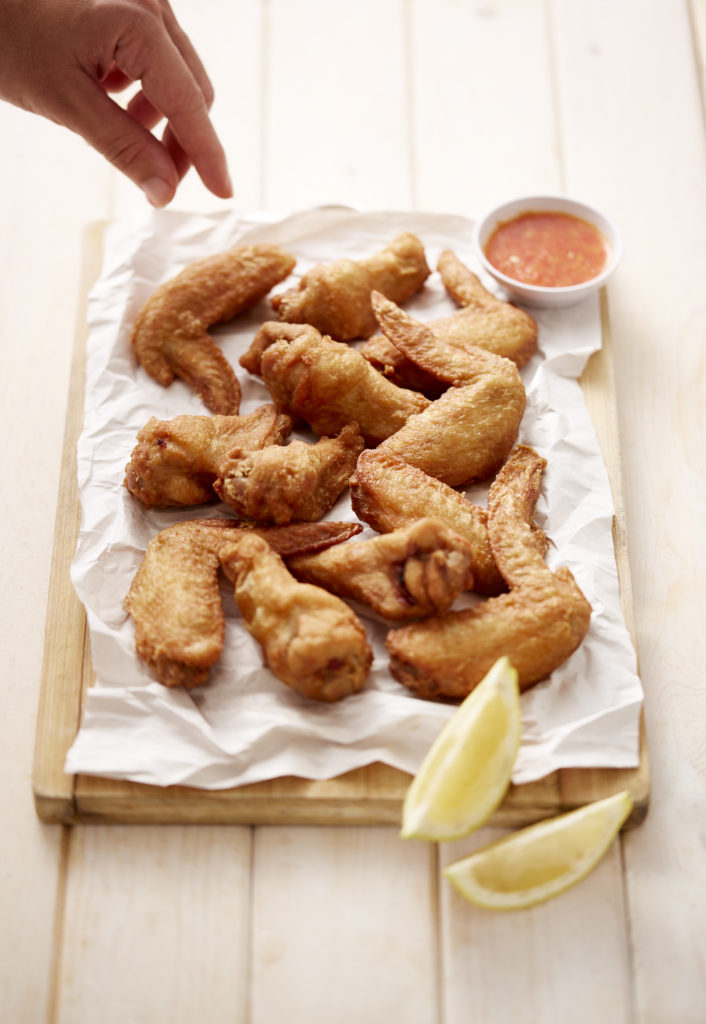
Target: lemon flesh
[543,860]
[466,772]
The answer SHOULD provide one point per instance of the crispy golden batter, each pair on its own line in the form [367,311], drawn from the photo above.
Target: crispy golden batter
[297,481]
[538,624]
[467,434]
[174,599]
[329,384]
[389,494]
[175,462]
[335,297]
[270,332]
[311,640]
[416,571]
[484,321]
[170,338]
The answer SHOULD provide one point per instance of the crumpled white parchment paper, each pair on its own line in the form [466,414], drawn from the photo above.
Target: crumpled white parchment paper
[245,726]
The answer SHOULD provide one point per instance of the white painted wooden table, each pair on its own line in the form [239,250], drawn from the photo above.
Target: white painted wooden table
[438,105]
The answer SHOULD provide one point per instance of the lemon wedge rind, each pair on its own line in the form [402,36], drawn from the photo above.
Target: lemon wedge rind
[543,860]
[467,770]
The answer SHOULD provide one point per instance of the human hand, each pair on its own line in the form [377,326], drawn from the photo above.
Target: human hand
[62,58]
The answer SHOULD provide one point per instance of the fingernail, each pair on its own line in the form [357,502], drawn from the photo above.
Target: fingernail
[157,191]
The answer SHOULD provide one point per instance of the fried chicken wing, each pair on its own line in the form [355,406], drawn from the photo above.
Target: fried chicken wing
[335,297]
[170,338]
[297,481]
[416,571]
[483,321]
[389,494]
[175,602]
[311,640]
[174,599]
[175,462]
[538,624]
[329,384]
[467,433]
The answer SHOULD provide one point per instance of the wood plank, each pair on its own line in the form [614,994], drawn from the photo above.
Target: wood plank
[344,927]
[65,630]
[48,186]
[336,108]
[174,942]
[484,122]
[565,960]
[657,325]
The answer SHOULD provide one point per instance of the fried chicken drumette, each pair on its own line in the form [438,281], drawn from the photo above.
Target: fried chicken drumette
[329,384]
[294,482]
[335,297]
[389,494]
[538,624]
[176,462]
[311,640]
[416,571]
[170,335]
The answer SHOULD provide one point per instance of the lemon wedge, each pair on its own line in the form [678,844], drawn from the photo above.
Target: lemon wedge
[467,770]
[543,860]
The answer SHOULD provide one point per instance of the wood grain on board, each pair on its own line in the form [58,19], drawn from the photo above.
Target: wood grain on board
[371,795]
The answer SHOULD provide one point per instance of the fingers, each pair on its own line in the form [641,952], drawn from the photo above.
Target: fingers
[144,112]
[189,54]
[181,160]
[169,85]
[64,59]
[124,141]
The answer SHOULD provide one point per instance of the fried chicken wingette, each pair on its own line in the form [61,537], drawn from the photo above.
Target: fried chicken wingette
[483,321]
[299,481]
[329,384]
[170,338]
[175,602]
[538,624]
[174,599]
[388,494]
[175,462]
[416,571]
[311,640]
[467,434]
[335,297]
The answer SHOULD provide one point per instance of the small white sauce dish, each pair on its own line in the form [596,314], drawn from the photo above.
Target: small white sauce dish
[535,295]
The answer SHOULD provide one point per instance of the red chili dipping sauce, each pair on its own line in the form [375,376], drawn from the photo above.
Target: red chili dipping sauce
[551,250]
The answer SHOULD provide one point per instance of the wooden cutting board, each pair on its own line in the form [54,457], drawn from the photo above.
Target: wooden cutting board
[371,795]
